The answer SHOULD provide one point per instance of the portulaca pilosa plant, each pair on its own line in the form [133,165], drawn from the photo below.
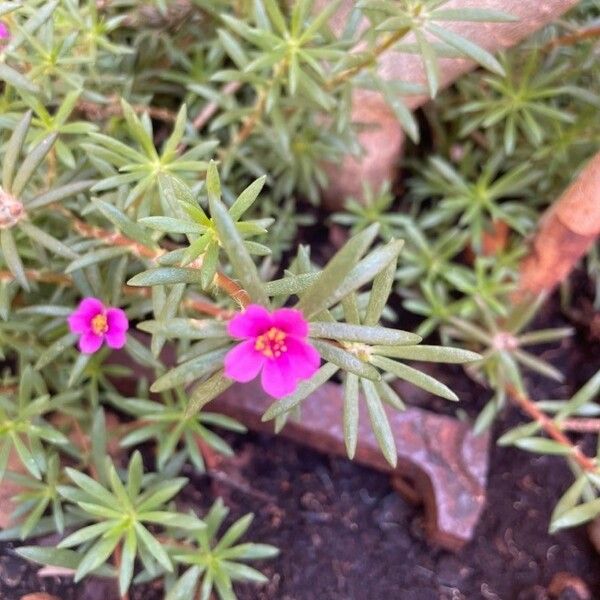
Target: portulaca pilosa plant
[151,157]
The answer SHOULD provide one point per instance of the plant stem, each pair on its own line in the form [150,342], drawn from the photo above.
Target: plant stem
[254,118]
[205,115]
[194,304]
[200,306]
[384,45]
[99,112]
[572,38]
[41,276]
[581,425]
[550,427]
[83,442]
[248,124]
[114,238]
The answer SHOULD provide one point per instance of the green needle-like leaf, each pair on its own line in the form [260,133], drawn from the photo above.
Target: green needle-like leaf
[469,49]
[362,333]
[351,414]
[321,293]
[346,360]
[12,258]
[379,422]
[415,377]
[206,391]
[31,163]
[439,354]
[13,148]
[232,242]
[96,556]
[14,78]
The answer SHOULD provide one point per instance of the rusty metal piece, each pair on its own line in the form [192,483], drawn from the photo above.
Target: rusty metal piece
[441,455]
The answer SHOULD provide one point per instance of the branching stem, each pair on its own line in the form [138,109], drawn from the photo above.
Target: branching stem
[551,428]
[98,112]
[383,46]
[114,238]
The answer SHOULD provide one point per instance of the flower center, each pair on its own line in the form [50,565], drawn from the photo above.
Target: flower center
[505,341]
[99,324]
[272,343]
[11,210]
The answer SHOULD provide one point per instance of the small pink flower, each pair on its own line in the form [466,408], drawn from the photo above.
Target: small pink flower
[274,342]
[96,323]
[4,31]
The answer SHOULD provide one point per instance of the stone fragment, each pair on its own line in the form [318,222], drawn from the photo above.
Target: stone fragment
[382,137]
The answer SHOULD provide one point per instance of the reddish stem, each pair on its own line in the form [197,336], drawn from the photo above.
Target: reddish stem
[205,115]
[572,38]
[98,112]
[581,425]
[224,283]
[550,427]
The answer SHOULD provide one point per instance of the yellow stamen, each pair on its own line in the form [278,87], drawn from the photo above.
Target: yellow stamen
[272,343]
[99,324]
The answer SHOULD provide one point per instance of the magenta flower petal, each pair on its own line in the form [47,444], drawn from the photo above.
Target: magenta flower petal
[291,321]
[277,344]
[116,320]
[276,380]
[90,307]
[115,338]
[79,321]
[96,324]
[243,362]
[4,31]
[304,360]
[251,323]
[89,342]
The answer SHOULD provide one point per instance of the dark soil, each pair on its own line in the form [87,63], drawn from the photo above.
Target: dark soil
[346,535]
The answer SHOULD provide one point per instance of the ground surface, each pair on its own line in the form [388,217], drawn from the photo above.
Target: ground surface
[345,535]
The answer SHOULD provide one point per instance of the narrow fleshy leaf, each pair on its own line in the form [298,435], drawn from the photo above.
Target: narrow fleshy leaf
[415,377]
[319,295]
[380,293]
[232,241]
[247,198]
[31,163]
[346,360]
[379,423]
[467,48]
[206,391]
[362,333]
[351,414]
[12,258]
[13,149]
[16,79]
[438,354]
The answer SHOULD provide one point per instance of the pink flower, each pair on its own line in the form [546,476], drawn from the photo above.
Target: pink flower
[97,324]
[274,342]
[4,31]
